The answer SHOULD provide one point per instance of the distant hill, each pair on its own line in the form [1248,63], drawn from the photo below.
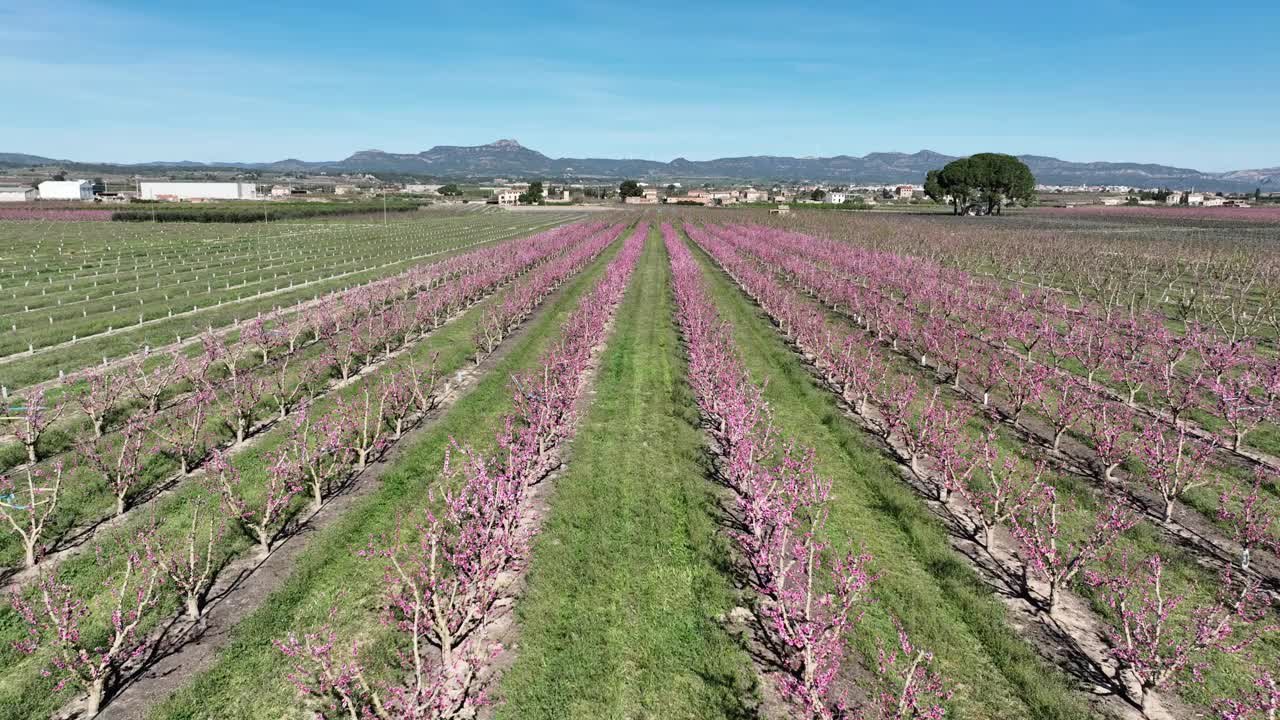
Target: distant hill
[510,158]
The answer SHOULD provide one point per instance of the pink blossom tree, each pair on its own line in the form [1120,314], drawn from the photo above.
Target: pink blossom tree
[31,418]
[151,385]
[28,507]
[1024,384]
[118,462]
[1038,529]
[98,397]
[364,427]
[1175,463]
[909,687]
[319,452]
[996,489]
[1110,428]
[184,430]
[190,564]
[1238,404]
[1250,517]
[239,400]
[1160,643]
[329,670]
[1063,409]
[260,511]
[57,615]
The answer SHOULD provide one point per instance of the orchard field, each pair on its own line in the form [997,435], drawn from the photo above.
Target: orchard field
[680,463]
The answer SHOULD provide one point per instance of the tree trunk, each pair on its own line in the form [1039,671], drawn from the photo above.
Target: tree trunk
[193,606]
[264,541]
[97,689]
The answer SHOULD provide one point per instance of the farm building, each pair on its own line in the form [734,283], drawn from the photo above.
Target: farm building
[66,190]
[505,197]
[837,198]
[650,197]
[197,191]
[17,194]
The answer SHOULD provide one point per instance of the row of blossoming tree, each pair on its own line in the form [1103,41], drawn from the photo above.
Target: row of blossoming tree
[1217,388]
[448,565]
[176,411]
[152,572]
[1160,638]
[1168,459]
[808,593]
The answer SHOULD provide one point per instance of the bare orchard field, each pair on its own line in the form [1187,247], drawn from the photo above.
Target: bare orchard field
[77,294]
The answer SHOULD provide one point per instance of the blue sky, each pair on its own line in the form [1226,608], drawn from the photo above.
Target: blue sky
[1193,84]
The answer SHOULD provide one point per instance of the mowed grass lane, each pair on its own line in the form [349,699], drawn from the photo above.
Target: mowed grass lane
[940,601]
[618,620]
[248,682]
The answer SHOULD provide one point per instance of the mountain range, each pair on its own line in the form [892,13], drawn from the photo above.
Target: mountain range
[508,158]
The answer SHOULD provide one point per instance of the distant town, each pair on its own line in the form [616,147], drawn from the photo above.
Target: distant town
[511,193]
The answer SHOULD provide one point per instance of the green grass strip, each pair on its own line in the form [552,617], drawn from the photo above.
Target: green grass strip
[619,621]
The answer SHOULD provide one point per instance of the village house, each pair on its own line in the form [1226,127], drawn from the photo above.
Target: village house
[649,197]
[505,196]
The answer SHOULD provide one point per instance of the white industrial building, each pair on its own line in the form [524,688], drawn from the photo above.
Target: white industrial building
[66,190]
[197,191]
[17,194]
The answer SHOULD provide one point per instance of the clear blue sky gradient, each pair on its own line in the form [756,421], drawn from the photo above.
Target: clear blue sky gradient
[1192,84]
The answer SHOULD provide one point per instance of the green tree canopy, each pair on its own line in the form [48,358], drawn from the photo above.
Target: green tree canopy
[630,188]
[818,194]
[533,195]
[451,189]
[982,183]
